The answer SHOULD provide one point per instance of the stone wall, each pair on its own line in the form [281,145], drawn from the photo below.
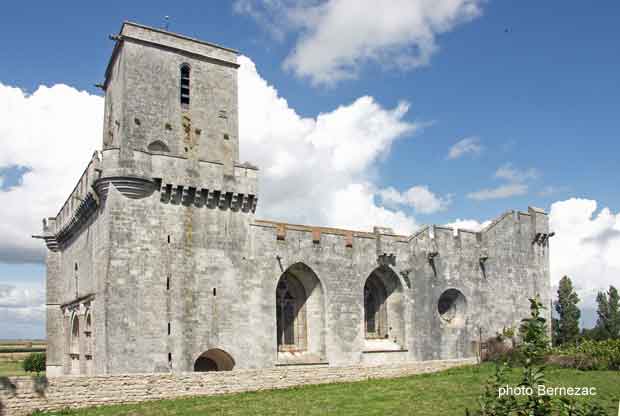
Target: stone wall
[22,395]
[166,253]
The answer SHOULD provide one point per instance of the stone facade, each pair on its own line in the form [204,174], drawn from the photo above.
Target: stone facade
[157,264]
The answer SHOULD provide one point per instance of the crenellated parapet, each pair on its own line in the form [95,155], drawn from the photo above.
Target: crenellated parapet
[531,226]
[76,210]
[208,198]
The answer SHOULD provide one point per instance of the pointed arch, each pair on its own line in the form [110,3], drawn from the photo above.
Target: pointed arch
[384,307]
[88,342]
[74,345]
[75,335]
[300,312]
[375,308]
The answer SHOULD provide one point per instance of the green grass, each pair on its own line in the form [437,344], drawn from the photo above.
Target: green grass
[445,393]
[11,368]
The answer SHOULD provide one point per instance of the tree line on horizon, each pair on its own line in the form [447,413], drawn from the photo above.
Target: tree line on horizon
[565,326]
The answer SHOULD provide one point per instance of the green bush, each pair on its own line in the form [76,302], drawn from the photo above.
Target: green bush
[35,363]
[535,346]
[588,355]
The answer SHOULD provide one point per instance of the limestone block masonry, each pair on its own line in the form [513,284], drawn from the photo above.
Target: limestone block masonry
[157,264]
[22,395]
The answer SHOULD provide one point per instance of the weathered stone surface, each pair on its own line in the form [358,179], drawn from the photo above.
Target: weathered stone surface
[22,395]
[168,261]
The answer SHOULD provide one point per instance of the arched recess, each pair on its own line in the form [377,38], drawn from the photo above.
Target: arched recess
[452,307]
[214,359]
[74,345]
[88,342]
[75,335]
[158,146]
[300,313]
[384,310]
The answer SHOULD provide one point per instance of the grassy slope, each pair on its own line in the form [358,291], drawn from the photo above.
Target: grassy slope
[11,368]
[445,393]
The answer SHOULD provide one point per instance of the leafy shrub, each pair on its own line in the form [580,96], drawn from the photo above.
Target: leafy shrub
[588,355]
[535,346]
[35,363]
[533,332]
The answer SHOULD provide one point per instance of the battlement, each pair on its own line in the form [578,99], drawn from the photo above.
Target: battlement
[535,218]
[347,237]
[77,208]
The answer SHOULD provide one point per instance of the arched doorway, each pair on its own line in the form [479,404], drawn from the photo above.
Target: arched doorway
[291,314]
[300,316]
[214,360]
[384,309]
[375,308]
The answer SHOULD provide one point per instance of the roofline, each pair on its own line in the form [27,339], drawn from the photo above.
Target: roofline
[120,38]
[327,230]
[154,29]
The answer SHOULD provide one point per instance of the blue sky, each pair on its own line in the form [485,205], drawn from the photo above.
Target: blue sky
[533,86]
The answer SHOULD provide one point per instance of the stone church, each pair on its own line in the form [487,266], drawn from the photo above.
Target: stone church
[156,262]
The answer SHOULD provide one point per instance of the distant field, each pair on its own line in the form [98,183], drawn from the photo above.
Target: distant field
[445,393]
[13,352]
[22,345]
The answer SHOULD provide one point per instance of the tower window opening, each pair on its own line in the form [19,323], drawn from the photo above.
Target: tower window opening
[185,85]
[168,328]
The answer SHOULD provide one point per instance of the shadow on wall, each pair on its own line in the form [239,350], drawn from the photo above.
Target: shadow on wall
[39,385]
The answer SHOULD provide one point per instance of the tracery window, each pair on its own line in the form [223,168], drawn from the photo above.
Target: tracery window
[290,314]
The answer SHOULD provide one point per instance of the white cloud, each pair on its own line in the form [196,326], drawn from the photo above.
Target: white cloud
[468,224]
[419,198]
[516,185]
[53,132]
[512,174]
[12,297]
[585,246]
[22,311]
[462,147]
[552,190]
[264,14]
[307,164]
[336,36]
[353,207]
[502,191]
[318,170]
